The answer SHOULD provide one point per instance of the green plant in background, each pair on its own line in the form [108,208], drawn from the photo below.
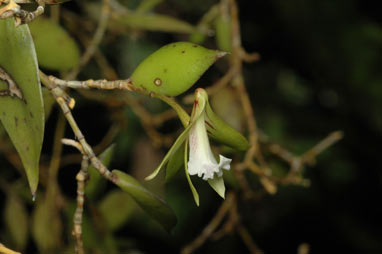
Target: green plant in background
[169,71]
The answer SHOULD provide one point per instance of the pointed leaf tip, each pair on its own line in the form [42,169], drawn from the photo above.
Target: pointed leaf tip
[156,207]
[21,103]
[221,54]
[217,183]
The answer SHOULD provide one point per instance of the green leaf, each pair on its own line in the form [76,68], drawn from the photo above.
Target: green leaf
[55,48]
[155,22]
[116,208]
[97,183]
[16,219]
[217,183]
[193,189]
[174,68]
[230,178]
[147,5]
[2,131]
[46,227]
[174,164]
[21,104]
[151,203]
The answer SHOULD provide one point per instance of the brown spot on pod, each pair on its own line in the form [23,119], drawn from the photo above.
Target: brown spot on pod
[157,82]
[183,51]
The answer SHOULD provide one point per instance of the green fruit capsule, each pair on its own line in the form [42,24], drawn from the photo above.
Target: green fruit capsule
[174,68]
[50,37]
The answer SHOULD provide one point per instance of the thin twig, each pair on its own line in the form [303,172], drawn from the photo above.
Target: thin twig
[303,248]
[298,163]
[98,84]
[5,250]
[66,104]
[98,35]
[146,118]
[81,178]
[247,239]
[12,9]
[249,57]
[214,88]
[238,83]
[53,194]
[310,155]
[211,227]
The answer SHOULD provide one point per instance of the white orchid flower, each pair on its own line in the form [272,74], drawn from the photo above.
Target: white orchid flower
[200,160]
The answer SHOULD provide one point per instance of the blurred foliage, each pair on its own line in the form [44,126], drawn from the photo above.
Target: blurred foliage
[320,70]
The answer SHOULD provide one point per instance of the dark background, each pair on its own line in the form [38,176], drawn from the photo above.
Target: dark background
[320,71]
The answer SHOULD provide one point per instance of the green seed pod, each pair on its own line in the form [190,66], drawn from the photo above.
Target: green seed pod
[50,37]
[174,68]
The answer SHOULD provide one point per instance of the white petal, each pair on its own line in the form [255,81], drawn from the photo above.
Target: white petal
[224,162]
[201,160]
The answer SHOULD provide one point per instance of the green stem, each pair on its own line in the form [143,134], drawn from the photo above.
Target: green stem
[183,116]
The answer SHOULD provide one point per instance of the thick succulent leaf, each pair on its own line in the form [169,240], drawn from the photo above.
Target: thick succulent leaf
[147,5]
[151,203]
[231,179]
[193,189]
[2,131]
[16,220]
[116,208]
[174,68]
[217,183]
[21,104]
[97,183]
[46,227]
[55,48]
[174,164]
